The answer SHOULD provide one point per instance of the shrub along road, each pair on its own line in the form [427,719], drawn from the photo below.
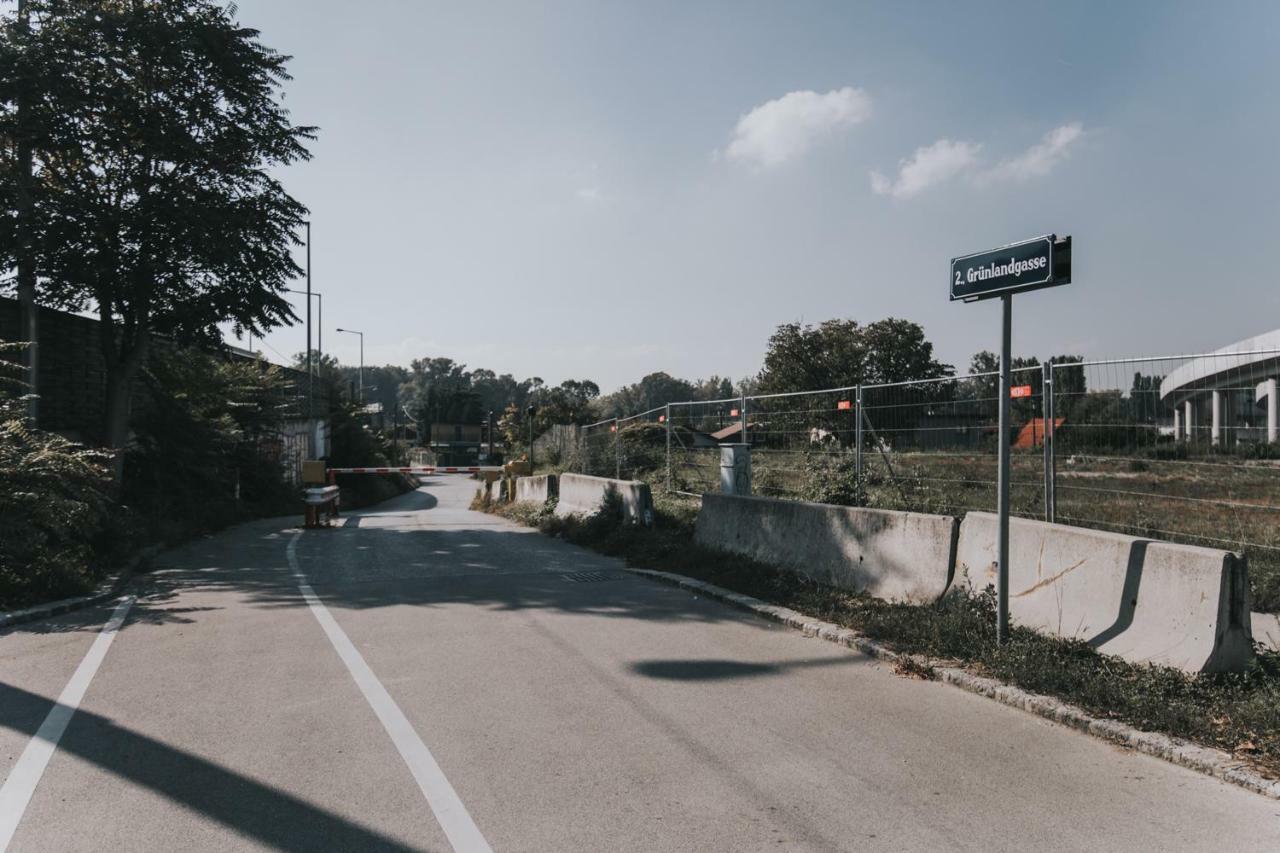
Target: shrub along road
[428,677]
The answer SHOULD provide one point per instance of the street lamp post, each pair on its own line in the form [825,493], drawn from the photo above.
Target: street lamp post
[319,323]
[311,378]
[532,410]
[361,373]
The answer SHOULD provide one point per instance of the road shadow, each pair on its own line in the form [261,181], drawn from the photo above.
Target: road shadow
[246,807]
[413,550]
[725,670]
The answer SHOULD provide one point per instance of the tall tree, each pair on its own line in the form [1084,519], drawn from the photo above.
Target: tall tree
[154,127]
[840,353]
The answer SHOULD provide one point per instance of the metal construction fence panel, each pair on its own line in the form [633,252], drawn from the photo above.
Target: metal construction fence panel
[1180,448]
[597,451]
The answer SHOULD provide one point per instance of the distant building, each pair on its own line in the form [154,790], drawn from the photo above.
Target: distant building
[455,444]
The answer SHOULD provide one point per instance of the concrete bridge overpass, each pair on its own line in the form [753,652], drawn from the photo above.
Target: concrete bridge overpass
[1209,387]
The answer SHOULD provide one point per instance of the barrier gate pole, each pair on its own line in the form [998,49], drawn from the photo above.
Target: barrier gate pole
[1002,579]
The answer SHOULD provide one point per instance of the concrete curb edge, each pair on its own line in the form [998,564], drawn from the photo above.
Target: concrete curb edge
[1207,760]
[108,589]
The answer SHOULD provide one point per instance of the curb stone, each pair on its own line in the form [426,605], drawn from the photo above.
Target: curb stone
[106,591]
[1203,759]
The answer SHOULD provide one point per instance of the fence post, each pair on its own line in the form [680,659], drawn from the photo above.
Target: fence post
[617,450]
[857,441]
[666,418]
[742,417]
[1046,389]
[1050,439]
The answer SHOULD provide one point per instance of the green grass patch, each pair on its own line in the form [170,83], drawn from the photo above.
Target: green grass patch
[1239,713]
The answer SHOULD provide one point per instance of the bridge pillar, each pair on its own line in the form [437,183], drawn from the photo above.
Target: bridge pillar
[1271,412]
[1215,425]
[1189,415]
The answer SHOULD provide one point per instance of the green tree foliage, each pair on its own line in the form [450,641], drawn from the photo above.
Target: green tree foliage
[840,353]
[658,389]
[980,389]
[54,501]
[155,128]
[381,382]
[570,402]
[202,454]
[1145,404]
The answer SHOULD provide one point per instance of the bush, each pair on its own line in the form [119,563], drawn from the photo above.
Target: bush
[830,482]
[55,502]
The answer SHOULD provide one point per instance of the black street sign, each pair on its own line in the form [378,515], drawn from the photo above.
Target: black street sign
[1029,265]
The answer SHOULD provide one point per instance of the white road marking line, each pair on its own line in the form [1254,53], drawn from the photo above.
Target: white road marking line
[17,790]
[451,814]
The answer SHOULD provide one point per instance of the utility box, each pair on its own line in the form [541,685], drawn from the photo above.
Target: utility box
[313,472]
[735,469]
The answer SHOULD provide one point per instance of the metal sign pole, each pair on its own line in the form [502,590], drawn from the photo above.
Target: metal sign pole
[617,450]
[1002,579]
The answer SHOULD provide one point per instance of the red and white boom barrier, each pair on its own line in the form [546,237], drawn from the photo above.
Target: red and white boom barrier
[434,469]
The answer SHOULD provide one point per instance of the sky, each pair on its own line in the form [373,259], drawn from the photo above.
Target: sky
[599,190]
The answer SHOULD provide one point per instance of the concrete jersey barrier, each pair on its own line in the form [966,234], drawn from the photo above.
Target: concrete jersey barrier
[493,490]
[581,494]
[903,556]
[1146,601]
[536,489]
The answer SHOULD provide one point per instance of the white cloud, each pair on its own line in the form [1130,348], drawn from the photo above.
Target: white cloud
[943,160]
[787,127]
[929,165]
[588,194]
[1038,160]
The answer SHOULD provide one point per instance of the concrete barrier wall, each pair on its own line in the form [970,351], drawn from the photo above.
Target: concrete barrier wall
[584,495]
[1146,601]
[903,556]
[494,490]
[1266,630]
[536,489]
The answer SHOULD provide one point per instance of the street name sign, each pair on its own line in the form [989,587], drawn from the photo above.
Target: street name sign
[1015,268]
[1028,265]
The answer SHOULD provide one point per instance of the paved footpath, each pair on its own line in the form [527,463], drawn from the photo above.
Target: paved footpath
[425,677]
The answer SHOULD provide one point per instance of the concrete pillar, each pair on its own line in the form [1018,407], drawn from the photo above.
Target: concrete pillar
[1215,425]
[1271,411]
[1189,415]
[1177,424]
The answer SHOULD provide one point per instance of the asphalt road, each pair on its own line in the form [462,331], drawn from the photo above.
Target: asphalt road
[425,677]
